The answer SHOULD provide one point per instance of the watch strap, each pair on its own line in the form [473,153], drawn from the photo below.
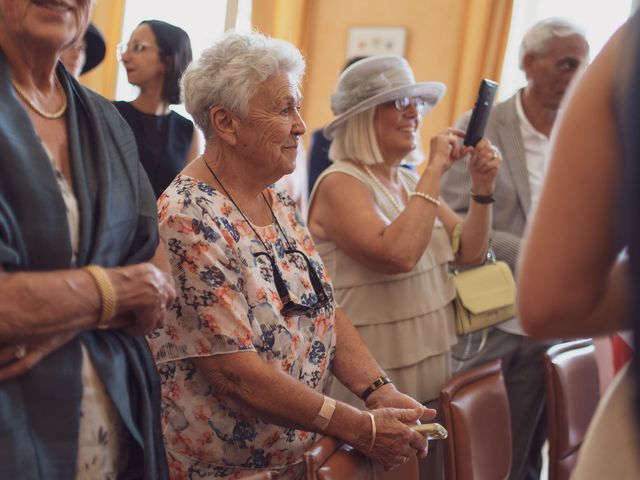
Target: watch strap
[375,385]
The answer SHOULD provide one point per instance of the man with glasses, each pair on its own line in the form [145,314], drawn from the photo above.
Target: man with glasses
[551,53]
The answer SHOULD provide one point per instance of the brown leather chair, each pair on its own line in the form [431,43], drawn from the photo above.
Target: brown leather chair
[330,459]
[573,392]
[475,411]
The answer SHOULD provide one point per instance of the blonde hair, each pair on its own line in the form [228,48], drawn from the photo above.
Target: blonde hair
[356,140]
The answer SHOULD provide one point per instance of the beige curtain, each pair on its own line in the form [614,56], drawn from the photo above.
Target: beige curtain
[483,47]
[285,19]
[107,16]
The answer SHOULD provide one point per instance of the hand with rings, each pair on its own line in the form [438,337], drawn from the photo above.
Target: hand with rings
[19,358]
[395,442]
[21,351]
[10,354]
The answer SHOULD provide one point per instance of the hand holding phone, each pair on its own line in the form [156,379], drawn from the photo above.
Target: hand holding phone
[433,431]
[481,112]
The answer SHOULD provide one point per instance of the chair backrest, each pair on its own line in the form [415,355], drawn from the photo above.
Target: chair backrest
[573,392]
[329,459]
[475,411]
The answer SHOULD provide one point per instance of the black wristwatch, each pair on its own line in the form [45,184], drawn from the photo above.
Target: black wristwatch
[377,383]
[482,199]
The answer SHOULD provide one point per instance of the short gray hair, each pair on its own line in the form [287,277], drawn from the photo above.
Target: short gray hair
[536,39]
[228,73]
[356,140]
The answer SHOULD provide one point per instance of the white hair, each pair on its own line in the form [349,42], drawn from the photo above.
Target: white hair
[356,140]
[536,39]
[229,72]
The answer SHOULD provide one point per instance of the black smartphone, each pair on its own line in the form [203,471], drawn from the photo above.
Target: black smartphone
[481,112]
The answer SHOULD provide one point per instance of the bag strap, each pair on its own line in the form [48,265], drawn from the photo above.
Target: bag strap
[455,238]
[466,356]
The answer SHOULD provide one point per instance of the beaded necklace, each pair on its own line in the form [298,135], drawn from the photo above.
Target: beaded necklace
[387,193]
[51,116]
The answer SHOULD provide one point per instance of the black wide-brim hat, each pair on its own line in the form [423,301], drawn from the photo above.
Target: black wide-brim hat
[96,48]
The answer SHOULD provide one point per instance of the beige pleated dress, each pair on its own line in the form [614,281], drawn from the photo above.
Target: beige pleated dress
[407,320]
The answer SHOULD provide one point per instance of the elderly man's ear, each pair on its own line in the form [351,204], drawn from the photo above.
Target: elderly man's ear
[224,124]
[527,63]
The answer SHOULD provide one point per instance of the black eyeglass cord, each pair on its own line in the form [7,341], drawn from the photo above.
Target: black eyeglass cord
[273,215]
[283,292]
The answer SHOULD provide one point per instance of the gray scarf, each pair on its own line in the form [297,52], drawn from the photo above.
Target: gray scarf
[39,411]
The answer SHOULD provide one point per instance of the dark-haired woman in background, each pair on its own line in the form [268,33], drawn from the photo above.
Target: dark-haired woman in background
[155,58]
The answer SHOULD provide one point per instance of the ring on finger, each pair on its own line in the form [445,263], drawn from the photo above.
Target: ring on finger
[21,351]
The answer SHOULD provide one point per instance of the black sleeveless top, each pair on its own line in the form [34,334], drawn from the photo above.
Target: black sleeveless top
[163,143]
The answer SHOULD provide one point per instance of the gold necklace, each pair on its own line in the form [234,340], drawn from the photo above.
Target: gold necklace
[387,193]
[51,116]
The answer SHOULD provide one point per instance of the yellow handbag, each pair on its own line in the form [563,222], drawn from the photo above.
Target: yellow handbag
[486,296]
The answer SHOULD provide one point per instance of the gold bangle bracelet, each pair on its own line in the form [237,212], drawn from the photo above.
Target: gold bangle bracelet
[426,197]
[107,293]
[373,431]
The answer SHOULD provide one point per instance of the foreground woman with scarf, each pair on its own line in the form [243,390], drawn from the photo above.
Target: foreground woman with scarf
[79,264]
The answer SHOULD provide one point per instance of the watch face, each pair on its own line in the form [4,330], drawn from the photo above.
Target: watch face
[375,385]
[379,382]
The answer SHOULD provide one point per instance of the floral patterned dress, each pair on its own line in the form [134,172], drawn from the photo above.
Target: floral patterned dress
[227,303]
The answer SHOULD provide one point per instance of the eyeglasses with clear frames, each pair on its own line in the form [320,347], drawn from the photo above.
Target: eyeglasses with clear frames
[135,48]
[403,103]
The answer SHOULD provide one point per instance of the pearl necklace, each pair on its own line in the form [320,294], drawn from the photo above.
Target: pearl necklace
[387,193]
[51,116]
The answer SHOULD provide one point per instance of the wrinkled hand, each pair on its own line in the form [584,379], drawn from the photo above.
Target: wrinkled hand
[483,167]
[143,294]
[20,358]
[446,148]
[389,396]
[395,441]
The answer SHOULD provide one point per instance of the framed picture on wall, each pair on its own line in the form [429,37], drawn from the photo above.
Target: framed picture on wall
[364,41]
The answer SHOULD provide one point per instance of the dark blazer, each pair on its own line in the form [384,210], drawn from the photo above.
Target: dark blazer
[318,157]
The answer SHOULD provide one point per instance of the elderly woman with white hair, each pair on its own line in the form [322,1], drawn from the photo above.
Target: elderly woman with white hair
[254,335]
[383,232]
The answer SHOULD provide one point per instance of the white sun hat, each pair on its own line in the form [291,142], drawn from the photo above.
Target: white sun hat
[376,80]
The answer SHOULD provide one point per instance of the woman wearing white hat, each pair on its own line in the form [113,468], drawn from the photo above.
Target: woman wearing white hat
[384,233]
